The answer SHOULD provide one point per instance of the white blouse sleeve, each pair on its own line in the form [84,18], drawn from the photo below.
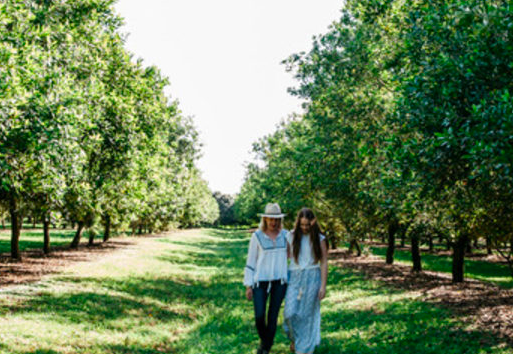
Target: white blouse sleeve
[249,270]
[289,237]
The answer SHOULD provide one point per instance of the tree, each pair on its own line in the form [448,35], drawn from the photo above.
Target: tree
[225,203]
[87,132]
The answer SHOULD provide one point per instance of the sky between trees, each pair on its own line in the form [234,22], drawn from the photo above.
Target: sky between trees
[223,59]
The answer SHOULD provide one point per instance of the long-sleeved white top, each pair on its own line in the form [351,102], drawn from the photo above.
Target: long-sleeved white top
[267,258]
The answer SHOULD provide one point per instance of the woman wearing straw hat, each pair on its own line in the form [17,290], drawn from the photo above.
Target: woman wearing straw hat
[265,275]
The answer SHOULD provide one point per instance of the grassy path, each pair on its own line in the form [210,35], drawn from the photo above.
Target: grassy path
[182,293]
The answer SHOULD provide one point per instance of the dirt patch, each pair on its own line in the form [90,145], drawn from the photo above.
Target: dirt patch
[35,264]
[485,306]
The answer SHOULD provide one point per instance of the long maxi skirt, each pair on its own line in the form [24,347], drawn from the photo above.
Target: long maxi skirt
[302,314]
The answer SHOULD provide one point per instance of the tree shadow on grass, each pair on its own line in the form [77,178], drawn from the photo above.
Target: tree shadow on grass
[96,309]
[228,254]
[404,326]
[400,326]
[113,349]
[170,302]
[220,320]
[132,349]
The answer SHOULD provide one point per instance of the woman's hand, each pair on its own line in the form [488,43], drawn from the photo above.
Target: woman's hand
[249,293]
[322,293]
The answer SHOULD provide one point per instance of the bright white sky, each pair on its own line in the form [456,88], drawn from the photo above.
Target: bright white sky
[223,60]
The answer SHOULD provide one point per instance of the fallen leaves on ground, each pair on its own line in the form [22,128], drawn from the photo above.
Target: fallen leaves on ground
[35,264]
[482,305]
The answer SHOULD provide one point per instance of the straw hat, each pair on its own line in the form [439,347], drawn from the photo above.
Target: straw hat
[272,210]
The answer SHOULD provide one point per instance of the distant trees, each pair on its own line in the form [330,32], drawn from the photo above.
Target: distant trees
[87,133]
[226,212]
[407,130]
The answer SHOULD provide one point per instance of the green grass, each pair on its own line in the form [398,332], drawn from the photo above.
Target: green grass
[498,274]
[33,239]
[183,294]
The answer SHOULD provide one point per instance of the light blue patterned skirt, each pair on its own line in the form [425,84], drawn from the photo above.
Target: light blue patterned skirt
[302,314]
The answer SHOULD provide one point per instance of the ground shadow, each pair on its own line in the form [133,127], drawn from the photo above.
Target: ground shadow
[478,269]
[221,319]
[35,264]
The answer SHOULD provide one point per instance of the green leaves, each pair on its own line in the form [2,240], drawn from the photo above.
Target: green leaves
[408,116]
[83,129]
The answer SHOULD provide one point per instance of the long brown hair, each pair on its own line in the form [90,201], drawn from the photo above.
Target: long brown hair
[315,238]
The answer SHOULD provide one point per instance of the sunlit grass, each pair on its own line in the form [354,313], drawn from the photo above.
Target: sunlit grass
[183,293]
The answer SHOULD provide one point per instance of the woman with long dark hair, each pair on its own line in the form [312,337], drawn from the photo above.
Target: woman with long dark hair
[307,283]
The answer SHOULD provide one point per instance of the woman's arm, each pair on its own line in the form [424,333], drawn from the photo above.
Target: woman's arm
[251,262]
[324,269]
[289,238]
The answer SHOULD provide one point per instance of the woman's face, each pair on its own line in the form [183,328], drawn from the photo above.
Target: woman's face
[304,223]
[273,224]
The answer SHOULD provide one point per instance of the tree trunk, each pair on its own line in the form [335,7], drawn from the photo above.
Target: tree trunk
[468,247]
[46,233]
[106,234]
[139,232]
[34,222]
[415,254]
[403,235]
[332,241]
[458,259]
[392,229]
[353,244]
[91,238]
[488,245]
[3,223]
[78,235]
[16,219]
[383,237]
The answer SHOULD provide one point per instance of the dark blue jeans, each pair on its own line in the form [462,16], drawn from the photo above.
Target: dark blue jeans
[266,331]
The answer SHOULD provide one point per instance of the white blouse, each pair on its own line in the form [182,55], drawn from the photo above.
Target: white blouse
[305,258]
[267,258]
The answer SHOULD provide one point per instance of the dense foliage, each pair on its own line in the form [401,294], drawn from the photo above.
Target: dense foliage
[226,212]
[407,130]
[87,135]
